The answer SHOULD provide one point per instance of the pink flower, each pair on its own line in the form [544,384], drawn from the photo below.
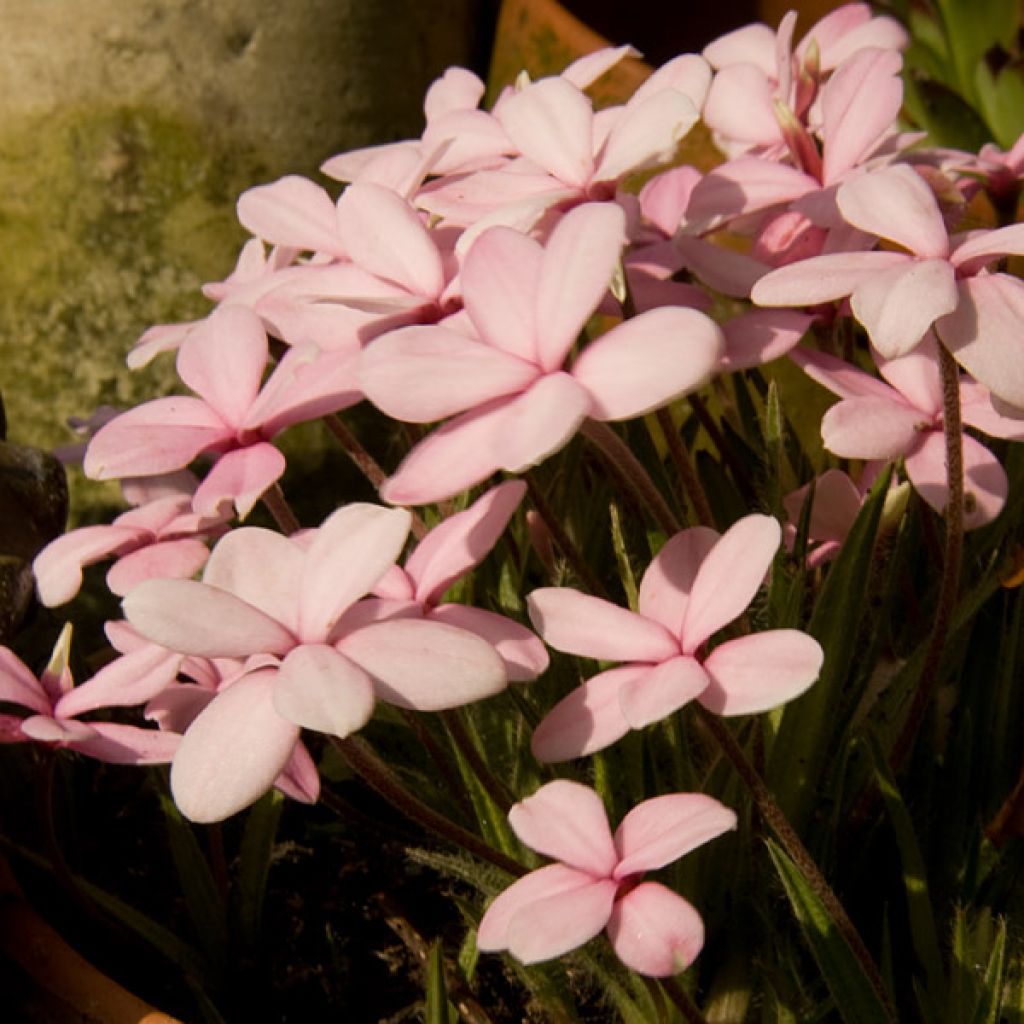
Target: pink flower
[512,401]
[698,583]
[161,537]
[937,281]
[598,880]
[223,361]
[904,417]
[279,602]
[56,703]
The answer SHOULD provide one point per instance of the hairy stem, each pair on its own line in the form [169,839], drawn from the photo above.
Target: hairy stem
[277,505]
[953,556]
[366,463]
[686,469]
[360,757]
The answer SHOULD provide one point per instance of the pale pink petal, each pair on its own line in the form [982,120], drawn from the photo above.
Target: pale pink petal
[233,751]
[751,44]
[647,361]
[985,483]
[300,779]
[351,551]
[318,688]
[395,585]
[157,339]
[655,932]
[462,541]
[550,122]
[116,743]
[175,708]
[647,133]
[895,203]
[587,720]
[982,247]
[424,665]
[582,624]
[859,103]
[157,437]
[384,234]
[131,679]
[424,374]
[63,731]
[19,685]
[663,690]
[837,501]
[169,559]
[688,73]
[240,477]
[916,375]
[664,198]
[824,278]
[760,671]
[590,67]
[553,880]
[739,105]
[58,567]
[761,336]
[578,262]
[500,279]
[726,271]
[194,618]
[307,383]
[223,361]
[659,831]
[841,378]
[567,821]
[743,186]
[898,308]
[452,458]
[263,568]
[539,422]
[666,584]
[729,577]
[456,89]
[978,411]
[984,334]
[292,211]
[524,655]
[872,428]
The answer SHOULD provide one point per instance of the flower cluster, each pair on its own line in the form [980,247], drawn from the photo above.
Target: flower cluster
[504,284]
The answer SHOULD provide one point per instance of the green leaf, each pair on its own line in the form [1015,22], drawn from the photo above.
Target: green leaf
[1001,100]
[810,732]
[915,877]
[250,883]
[438,1010]
[972,29]
[854,995]
[947,118]
[202,896]
[987,1010]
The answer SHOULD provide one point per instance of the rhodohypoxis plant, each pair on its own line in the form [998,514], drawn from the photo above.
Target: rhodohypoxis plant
[567,380]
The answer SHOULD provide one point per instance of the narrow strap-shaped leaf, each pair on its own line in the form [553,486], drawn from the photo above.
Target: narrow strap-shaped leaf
[855,997]
[250,882]
[807,733]
[438,1009]
[990,1000]
[202,895]
[915,876]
